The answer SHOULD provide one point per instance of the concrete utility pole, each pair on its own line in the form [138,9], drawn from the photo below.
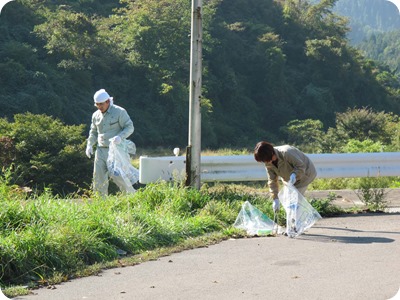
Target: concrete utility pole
[193,151]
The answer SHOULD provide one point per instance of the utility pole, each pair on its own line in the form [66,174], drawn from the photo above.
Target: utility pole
[193,151]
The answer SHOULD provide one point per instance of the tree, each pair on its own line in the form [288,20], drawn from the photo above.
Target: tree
[265,63]
[70,38]
[365,146]
[305,134]
[364,124]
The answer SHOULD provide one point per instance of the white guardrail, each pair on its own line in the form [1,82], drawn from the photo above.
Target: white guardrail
[245,168]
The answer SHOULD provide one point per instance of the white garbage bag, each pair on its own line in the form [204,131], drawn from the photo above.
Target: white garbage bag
[254,221]
[300,215]
[119,163]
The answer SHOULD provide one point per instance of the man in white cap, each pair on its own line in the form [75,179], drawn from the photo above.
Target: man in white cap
[110,121]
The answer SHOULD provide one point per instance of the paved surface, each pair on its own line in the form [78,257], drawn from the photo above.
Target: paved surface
[347,257]
[348,198]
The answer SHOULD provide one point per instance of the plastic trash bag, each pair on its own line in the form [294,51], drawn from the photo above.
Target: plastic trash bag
[130,146]
[119,163]
[300,215]
[254,221]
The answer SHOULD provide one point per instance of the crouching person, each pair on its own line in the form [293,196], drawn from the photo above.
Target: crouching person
[287,162]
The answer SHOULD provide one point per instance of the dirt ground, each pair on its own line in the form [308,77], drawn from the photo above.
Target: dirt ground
[348,199]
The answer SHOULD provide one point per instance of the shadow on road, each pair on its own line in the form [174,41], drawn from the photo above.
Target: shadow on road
[345,239]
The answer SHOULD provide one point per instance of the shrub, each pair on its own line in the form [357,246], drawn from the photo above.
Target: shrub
[48,153]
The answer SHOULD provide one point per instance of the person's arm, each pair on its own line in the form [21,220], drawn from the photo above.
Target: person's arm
[126,124]
[273,183]
[92,139]
[93,133]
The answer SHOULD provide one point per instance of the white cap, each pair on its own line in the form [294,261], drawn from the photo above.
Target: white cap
[101,96]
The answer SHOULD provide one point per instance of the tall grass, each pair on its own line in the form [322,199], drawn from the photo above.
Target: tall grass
[42,235]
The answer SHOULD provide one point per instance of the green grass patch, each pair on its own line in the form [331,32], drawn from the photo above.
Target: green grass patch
[354,183]
[46,240]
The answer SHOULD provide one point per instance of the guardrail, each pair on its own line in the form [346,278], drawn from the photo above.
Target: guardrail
[245,168]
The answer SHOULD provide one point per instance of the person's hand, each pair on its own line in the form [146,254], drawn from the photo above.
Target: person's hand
[116,139]
[89,151]
[275,205]
[292,179]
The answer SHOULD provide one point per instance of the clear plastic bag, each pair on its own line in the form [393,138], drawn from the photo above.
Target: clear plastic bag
[300,215]
[130,147]
[254,221]
[119,163]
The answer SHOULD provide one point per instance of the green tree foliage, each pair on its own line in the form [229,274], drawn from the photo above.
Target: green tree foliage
[72,36]
[375,29]
[306,134]
[154,36]
[356,146]
[7,150]
[363,124]
[368,17]
[265,63]
[29,80]
[384,48]
[356,130]
[46,153]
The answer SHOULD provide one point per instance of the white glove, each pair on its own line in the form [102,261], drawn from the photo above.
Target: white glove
[275,205]
[116,139]
[89,151]
[292,179]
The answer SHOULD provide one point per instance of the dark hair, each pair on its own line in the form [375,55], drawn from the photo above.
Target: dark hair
[263,151]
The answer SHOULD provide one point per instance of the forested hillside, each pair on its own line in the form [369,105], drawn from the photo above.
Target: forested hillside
[375,28]
[368,17]
[384,48]
[266,63]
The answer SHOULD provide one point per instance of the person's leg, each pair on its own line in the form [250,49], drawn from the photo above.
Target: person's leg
[100,173]
[123,184]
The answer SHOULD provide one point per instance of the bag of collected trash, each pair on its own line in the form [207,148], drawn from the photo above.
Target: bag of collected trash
[130,147]
[119,162]
[254,221]
[300,215]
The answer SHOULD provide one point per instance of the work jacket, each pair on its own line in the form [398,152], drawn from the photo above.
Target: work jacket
[290,160]
[115,121]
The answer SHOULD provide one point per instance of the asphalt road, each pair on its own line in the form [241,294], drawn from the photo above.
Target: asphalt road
[348,199]
[348,257]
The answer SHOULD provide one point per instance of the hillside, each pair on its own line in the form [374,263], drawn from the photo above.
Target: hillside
[368,17]
[266,63]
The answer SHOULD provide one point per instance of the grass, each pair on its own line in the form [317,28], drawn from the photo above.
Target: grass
[355,183]
[325,207]
[45,240]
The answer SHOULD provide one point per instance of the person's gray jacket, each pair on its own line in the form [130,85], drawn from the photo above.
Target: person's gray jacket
[115,121]
[290,160]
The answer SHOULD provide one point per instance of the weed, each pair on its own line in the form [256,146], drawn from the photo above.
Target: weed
[325,206]
[372,193]
[373,198]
